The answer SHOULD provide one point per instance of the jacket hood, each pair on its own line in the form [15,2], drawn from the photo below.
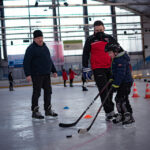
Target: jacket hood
[123,55]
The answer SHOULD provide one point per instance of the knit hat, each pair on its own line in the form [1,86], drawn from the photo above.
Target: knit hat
[37,33]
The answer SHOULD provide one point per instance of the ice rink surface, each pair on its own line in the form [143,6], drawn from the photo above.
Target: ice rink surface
[18,131]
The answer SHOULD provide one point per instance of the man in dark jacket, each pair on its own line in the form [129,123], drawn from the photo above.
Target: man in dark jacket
[122,82]
[38,66]
[94,49]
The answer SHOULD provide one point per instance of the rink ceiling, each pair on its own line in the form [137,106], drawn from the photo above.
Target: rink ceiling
[19,132]
[138,6]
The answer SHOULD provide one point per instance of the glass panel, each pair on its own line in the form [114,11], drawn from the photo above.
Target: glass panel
[129,30]
[19,31]
[96,12]
[72,25]
[1,47]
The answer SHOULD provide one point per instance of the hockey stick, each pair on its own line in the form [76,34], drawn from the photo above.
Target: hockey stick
[82,131]
[74,123]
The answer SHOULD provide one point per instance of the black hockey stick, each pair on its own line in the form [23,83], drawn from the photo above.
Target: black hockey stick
[82,131]
[74,123]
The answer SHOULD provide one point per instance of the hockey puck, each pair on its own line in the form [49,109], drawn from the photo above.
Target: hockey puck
[69,136]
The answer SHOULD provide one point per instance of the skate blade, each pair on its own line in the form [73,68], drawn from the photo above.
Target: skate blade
[131,125]
[117,125]
[109,120]
[51,117]
[37,120]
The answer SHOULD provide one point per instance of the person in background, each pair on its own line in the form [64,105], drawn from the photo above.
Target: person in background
[71,76]
[11,81]
[65,77]
[38,66]
[84,88]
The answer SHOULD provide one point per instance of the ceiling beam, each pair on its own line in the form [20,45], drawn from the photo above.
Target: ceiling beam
[106,3]
[127,7]
[48,17]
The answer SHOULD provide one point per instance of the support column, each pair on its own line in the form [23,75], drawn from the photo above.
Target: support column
[55,29]
[0,46]
[29,21]
[143,47]
[3,31]
[114,27]
[85,19]
[59,20]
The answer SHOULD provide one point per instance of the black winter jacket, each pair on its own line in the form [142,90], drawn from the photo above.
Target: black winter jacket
[120,69]
[10,78]
[37,60]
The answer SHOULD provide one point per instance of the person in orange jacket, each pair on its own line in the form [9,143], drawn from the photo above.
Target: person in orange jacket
[71,76]
[65,77]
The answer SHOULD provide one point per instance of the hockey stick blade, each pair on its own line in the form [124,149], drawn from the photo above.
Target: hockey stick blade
[64,125]
[82,131]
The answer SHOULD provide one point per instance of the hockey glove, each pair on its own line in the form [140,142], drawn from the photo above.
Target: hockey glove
[111,80]
[87,73]
[115,87]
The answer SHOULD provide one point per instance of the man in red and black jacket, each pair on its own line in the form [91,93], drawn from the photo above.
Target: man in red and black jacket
[94,50]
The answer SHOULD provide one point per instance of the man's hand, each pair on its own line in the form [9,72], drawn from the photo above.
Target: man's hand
[28,78]
[55,75]
[87,73]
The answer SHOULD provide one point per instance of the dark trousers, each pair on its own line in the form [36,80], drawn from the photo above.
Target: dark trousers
[102,76]
[83,81]
[39,82]
[11,85]
[64,83]
[71,82]
[122,98]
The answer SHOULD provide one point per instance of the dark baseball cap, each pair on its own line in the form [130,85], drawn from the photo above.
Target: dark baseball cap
[37,33]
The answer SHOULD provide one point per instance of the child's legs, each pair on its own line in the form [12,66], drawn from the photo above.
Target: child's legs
[122,101]
[71,81]
[128,90]
[64,82]
[83,81]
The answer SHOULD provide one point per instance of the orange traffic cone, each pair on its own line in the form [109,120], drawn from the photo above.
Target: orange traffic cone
[135,93]
[147,91]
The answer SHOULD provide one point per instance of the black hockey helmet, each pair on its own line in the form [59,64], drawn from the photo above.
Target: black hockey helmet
[113,47]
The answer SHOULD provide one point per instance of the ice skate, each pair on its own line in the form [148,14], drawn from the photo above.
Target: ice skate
[128,120]
[84,88]
[36,114]
[50,113]
[110,116]
[118,119]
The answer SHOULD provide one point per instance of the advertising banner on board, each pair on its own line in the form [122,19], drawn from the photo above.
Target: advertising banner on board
[56,51]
